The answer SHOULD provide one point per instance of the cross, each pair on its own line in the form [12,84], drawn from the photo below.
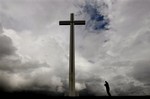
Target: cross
[72,22]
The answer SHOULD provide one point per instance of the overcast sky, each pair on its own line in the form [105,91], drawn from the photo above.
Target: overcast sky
[112,46]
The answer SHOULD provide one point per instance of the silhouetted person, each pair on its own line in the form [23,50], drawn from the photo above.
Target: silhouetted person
[107,88]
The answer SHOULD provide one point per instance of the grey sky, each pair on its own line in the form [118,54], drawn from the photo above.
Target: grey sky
[34,48]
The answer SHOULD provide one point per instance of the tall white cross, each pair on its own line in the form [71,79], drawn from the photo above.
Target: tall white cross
[72,52]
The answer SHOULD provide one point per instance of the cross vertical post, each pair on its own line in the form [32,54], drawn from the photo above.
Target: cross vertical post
[72,91]
[72,59]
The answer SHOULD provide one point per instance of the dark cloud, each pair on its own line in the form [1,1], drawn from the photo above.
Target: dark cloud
[6,46]
[127,89]
[123,86]
[141,72]
[1,28]
[93,89]
[16,65]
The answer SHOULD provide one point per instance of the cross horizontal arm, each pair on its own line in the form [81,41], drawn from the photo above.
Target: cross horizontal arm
[64,22]
[77,22]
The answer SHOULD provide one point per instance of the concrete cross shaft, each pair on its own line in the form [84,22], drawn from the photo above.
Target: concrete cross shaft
[72,22]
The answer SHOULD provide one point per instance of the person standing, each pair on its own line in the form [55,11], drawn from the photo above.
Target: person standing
[107,88]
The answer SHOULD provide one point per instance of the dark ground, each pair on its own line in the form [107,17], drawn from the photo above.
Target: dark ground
[49,94]
[34,94]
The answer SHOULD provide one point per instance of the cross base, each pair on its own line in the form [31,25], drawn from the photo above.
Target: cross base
[72,95]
